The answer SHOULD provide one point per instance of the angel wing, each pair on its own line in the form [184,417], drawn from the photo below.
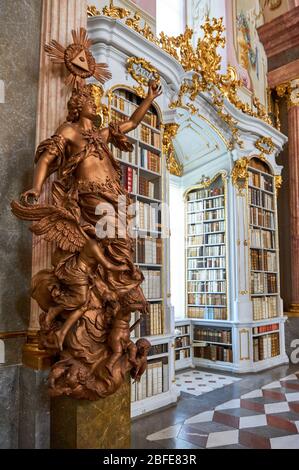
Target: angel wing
[55,223]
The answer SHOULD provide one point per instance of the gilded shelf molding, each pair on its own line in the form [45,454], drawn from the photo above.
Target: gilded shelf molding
[240,174]
[265,145]
[173,166]
[140,91]
[92,11]
[278,182]
[142,71]
[289,90]
[102,109]
[203,59]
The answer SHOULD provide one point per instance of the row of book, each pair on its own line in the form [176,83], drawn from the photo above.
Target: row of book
[214,239]
[154,381]
[260,181]
[182,354]
[264,308]
[200,263]
[265,328]
[212,334]
[147,216]
[213,286]
[127,103]
[206,205]
[149,136]
[158,349]
[201,228]
[147,188]
[263,283]
[182,342]
[262,217]
[207,313]
[130,179]
[207,299]
[182,330]
[118,118]
[262,239]
[205,193]
[263,200]
[265,347]
[142,133]
[207,275]
[214,353]
[149,160]
[206,251]
[151,285]
[128,157]
[263,260]
[149,250]
[205,216]
[152,323]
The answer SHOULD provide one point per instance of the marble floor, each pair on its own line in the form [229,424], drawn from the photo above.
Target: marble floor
[259,411]
[197,382]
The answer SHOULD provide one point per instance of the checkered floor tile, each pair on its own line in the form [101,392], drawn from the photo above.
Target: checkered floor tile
[265,418]
[197,382]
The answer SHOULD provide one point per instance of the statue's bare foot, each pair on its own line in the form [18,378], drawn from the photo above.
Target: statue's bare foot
[59,339]
[133,362]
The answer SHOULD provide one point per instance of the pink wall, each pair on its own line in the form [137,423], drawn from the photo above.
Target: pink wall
[147,5]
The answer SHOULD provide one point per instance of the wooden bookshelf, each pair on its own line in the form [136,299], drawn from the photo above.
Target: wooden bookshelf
[264,285]
[182,346]
[142,175]
[206,283]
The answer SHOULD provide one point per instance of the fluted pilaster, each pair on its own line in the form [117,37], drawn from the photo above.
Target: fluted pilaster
[59,17]
[293,126]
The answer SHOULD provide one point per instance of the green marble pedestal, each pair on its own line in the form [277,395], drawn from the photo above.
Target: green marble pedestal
[83,424]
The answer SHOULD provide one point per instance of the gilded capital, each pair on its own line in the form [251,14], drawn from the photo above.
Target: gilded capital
[173,166]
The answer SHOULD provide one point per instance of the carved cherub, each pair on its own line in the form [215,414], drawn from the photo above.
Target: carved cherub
[142,347]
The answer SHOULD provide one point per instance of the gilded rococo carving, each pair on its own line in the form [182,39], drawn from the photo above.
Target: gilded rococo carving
[204,60]
[88,294]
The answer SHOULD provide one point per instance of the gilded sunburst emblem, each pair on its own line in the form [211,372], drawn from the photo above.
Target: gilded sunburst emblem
[78,60]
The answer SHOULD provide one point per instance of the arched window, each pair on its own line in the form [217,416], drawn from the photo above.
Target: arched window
[171,16]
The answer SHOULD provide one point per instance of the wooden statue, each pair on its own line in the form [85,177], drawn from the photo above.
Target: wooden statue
[93,286]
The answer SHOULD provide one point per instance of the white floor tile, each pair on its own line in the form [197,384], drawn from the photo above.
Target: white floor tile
[253,421]
[285,442]
[202,382]
[278,407]
[225,438]
[254,394]
[289,377]
[205,417]
[297,425]
[275,384]
[229,405]
[167,433]
[292,396]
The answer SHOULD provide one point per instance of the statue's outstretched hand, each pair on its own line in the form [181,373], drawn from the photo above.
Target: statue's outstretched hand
[30,197]
[154,89]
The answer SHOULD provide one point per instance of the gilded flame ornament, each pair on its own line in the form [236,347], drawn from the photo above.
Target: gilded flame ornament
[88,295]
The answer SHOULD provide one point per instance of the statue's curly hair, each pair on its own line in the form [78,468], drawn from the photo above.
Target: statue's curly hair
[76,102]
[143,343]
